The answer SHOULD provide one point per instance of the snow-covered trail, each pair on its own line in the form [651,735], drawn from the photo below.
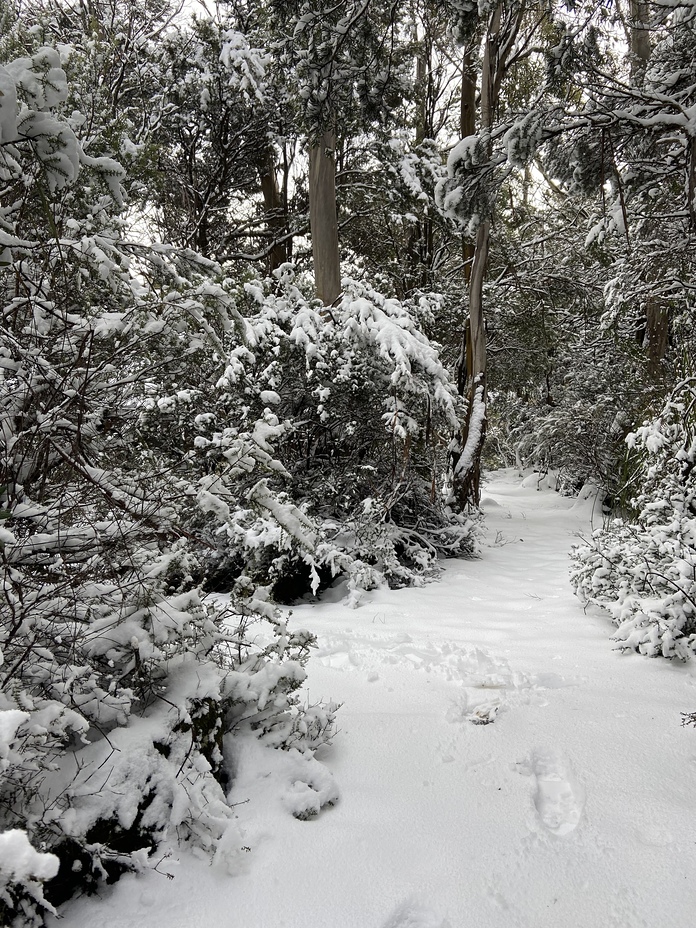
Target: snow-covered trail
[575,808]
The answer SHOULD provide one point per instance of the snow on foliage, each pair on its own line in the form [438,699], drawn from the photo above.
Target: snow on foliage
[643,571]
[245,66]
[466,195]
[118,677]
[22,871]
[168,431]
[362,410]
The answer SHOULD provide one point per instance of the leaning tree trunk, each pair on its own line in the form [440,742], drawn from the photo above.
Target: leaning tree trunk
[472,362]
[322,218]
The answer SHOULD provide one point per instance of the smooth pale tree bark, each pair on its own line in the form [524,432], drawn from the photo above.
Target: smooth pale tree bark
[322,218]
[423,62]
[472,364]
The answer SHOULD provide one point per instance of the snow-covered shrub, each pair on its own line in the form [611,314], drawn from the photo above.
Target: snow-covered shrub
[361,409]
[22,872]
[118,679]
[643,572]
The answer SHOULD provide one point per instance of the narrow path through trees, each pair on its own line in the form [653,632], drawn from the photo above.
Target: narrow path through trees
[499,764]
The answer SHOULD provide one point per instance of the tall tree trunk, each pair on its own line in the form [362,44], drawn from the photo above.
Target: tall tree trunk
[691,185]
[656,336]
[322,218]
[420,240]
[422,76]
[467,468]
[274,209]
[656,315]
[640,39]
[467,127]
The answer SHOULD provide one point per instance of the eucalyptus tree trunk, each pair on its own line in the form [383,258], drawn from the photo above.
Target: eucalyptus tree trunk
[656,338]
[274,208]
[640,39]
[467,127]
[322,218]
[420,243]
[472,362]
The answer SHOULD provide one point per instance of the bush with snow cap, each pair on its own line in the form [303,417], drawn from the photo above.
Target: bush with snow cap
[362,410]
[22,872]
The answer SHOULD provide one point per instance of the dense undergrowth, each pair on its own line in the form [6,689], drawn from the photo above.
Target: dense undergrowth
[169,430]
[642,568]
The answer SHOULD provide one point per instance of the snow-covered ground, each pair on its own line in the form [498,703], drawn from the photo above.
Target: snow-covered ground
[574,808]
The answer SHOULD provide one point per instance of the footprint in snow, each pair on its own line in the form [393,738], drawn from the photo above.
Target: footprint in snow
[411,914]
[476,707]
[558,797]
